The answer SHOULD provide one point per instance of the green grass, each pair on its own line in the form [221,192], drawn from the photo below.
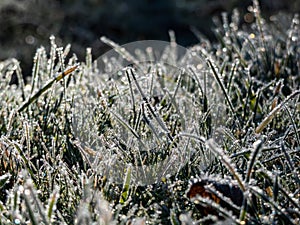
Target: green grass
[49,176]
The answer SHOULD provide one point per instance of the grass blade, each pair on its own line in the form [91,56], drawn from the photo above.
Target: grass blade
[46,87]
[126,185]
[226,160]
[272,114]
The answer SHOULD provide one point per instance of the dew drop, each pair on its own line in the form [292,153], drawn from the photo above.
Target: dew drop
[27,192]
[30,40]
[252,36]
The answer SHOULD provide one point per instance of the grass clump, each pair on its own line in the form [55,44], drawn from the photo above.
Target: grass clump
[48,175]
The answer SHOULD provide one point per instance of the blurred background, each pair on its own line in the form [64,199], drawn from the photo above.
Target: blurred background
[28,24]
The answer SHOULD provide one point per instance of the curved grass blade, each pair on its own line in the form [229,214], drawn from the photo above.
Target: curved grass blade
[4,179]
[121,50]
[281,211]
[147,103]
[226,160]
[257,147]
[216,75]
[222,211]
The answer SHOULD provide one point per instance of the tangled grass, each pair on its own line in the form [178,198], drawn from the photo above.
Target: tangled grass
[47,176]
